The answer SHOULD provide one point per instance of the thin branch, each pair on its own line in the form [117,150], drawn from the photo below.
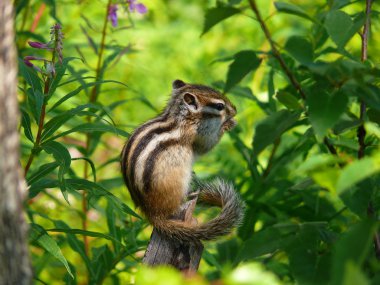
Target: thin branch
[275,51]
[363,109]
[281,61]
[271,157]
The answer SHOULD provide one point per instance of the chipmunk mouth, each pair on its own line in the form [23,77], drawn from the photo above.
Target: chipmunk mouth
[229,124]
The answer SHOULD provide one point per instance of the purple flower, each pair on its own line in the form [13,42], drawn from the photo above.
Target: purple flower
[138,7]
[39,45]
[29,58]
[57,38]
[112,15]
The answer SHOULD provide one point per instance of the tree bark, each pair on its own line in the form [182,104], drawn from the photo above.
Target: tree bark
[14,258]
[163,250]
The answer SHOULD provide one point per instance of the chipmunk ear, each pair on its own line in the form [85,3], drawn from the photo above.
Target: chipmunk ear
[178,84]
[190,101]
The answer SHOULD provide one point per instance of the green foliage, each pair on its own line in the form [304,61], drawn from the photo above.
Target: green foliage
[308,107]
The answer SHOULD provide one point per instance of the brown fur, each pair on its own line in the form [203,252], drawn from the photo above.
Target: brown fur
[157,161]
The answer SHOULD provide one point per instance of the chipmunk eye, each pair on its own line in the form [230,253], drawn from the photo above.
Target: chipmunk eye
[218,106]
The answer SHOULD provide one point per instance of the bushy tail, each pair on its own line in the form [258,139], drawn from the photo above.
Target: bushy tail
[217,193]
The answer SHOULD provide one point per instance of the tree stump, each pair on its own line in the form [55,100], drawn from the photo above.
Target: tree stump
[164,250]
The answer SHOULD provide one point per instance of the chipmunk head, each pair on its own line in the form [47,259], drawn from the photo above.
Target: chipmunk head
[210,111]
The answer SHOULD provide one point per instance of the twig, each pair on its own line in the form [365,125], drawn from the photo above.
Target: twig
[275,51]
[40,128]
[271,157]
[281,61]
[92,99]
[363,109]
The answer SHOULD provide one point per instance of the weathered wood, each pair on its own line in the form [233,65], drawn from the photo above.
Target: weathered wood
[164,250]
[14,258]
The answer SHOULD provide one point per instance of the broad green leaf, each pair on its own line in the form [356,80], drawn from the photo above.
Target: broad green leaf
[272,127]
[373,129]
[317,162]
[41,172]
[341,27]
[244,62]
[357,171]
[215,15]
[41,237]
[97,127]
[292,9]
[288,100]
[352,247]
[25,123]
[354,275]
[273,238]
[300,49]
[325,110]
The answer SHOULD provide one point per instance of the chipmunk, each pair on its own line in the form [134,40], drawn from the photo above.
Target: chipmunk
[157,160]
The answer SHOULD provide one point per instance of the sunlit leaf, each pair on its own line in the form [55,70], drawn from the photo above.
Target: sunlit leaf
[215,15]
[292,9]
[357,171]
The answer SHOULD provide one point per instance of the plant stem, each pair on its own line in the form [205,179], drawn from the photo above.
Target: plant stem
[93,98]
[363,109]
[285,68]
[40,128]
[95,91]
[271,157]
[275,51]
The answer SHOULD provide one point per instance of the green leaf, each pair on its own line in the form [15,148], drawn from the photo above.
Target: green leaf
[272,127]
[35,101]
[62,156]
[288,100]
[42,172]
[244,62]
[325,110]
[352,247]
[292,9]
[76,245]
[40,236]
[80,88]
[40,185]
[300,49]
[96,190]
[356,172]
[25,123]
[30,76]
[56,122]
[97,127]
[215,15]
[84,233]
[354,275]
[341,28]
[60,70]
